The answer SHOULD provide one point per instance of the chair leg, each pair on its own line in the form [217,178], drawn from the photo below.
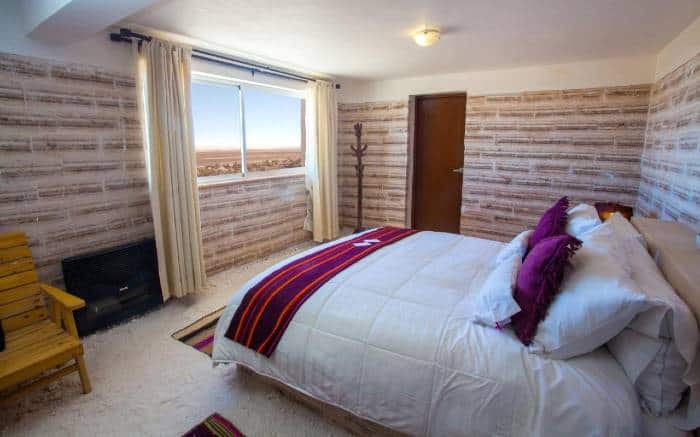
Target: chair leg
[82,370]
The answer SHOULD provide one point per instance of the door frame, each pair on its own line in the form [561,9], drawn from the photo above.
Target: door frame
[411,146]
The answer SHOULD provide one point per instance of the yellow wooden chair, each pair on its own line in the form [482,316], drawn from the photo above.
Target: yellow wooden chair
[40,339]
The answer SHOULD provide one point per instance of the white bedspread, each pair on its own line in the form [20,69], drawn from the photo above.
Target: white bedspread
[389,339]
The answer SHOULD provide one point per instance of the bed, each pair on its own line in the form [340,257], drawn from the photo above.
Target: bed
[389,341]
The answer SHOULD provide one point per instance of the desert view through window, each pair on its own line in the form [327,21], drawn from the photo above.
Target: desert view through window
[272,126]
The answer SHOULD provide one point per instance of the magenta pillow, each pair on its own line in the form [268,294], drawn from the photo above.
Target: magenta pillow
[552,222]
[538,282]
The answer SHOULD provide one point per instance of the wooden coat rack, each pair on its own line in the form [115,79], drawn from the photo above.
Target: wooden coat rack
[359,151]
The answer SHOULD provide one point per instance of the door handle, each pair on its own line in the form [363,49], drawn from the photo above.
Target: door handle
[458,170]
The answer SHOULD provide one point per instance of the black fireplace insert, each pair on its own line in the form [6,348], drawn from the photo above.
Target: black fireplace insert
[116,284]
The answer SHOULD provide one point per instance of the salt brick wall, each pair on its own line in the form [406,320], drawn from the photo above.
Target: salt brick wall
[385,130]
[670,168]
[72,171]
[244,220]
[521,152]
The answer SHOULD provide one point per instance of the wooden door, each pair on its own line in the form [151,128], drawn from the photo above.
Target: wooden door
[438,158]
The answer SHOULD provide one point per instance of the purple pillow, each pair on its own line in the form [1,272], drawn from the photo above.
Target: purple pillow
[538,282]
[552,222]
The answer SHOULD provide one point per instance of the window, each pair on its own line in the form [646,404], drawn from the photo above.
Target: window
[242,128]
[274,126]
[216,113]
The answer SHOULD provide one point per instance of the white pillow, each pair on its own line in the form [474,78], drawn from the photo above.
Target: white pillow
[516,246]
[597,300]
[624,230]
[660,343]
[581,219]
[495,305]
[658,382]
[660,386]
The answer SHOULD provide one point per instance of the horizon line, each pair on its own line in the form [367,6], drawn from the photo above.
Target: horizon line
[223,148]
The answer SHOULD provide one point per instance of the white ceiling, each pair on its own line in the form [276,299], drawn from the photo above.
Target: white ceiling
[369,39]
[66,21]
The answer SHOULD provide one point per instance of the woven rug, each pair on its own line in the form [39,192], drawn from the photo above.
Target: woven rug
[200,334]
[215,426]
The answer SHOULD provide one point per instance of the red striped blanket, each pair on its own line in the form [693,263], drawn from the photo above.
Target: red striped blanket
[269,306]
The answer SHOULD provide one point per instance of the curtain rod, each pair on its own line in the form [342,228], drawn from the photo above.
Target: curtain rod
[126,35]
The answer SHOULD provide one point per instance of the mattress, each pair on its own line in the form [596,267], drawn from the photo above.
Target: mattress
[390,340]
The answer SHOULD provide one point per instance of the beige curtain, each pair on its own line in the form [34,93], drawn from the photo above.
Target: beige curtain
[322,162]
[164,78]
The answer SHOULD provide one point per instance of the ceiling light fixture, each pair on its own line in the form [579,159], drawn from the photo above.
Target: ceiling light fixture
[426,37]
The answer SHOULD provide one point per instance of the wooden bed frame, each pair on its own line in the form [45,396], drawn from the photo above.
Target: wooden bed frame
[350,422]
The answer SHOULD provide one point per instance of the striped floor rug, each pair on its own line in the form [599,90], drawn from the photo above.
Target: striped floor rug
[214,426]
[200,334]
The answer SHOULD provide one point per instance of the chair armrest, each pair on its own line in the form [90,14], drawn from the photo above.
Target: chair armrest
[64,299]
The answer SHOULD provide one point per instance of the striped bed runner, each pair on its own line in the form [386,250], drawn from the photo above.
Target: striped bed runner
[214,426]
[200,334]
[269,306]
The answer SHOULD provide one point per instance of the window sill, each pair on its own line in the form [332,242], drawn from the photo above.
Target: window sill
[213,181]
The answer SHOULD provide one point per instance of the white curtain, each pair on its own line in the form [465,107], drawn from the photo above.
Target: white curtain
[164,79]
[322,162]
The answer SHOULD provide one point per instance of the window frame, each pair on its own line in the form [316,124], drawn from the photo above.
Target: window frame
[242,85]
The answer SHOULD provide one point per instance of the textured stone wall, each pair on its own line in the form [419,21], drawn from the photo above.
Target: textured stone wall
[244,220]
[523,151]
[385,130]
[73,176]
[670,175]
[72,169]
